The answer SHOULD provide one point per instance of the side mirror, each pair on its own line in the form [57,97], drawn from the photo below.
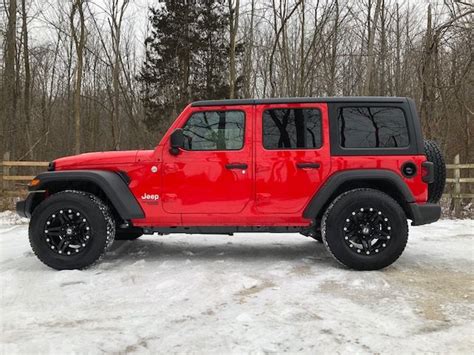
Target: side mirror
[177,141]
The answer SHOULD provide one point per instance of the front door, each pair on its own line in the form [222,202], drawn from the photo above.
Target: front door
[213,172]
[292,155]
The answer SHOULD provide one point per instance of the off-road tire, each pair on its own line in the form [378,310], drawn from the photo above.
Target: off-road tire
[434,155]
[98,216]
[333,234]
[128,233]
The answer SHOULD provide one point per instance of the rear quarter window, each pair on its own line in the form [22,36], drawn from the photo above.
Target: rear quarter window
[372,127]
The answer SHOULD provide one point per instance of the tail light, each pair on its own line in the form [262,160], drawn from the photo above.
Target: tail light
[427,172]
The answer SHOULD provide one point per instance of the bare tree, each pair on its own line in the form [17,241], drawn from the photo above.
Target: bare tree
[83,68]
[10,85]
[79,36]
[280,18]
[372,28]
[115,23]
[27,81]
[334,45]
[233,30]
[249,50]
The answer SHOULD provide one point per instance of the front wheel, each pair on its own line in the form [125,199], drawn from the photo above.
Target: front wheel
[71,230]
[365,229]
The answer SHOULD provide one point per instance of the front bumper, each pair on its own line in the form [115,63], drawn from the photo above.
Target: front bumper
[25,207]
[21,209]
[424,213]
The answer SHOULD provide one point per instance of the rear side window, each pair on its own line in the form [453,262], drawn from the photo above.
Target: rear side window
[372,127]
[292,129]
[215,130]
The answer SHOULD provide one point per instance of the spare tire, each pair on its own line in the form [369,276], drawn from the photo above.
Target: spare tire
[434,155]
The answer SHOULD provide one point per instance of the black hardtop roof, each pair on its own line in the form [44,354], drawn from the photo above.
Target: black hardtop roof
[286,100]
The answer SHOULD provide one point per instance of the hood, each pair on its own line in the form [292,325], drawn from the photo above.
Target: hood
[97,159]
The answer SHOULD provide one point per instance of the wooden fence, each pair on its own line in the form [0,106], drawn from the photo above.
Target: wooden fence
[16,184]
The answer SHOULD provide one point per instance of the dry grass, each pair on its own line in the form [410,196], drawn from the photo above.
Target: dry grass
[8,202]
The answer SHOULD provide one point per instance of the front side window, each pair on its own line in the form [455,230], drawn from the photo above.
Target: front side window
[292,128]
[214,130]
[372,127]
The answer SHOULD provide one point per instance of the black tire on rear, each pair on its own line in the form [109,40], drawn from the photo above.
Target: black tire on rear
[98,216]
[128,234]
[434,155]
[342,207]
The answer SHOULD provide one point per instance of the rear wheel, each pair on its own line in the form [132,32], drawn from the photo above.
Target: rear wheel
[365,229]
[71,230]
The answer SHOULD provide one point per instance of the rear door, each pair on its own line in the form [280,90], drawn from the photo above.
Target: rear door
[213,173]
[292,155]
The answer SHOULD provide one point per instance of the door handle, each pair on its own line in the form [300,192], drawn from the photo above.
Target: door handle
[308,165]
[236,166]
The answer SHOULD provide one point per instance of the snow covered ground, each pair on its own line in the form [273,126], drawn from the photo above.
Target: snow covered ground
[246,293]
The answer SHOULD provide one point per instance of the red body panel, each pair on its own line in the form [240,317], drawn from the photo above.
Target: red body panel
[279,185]
[199,182]
[196,189]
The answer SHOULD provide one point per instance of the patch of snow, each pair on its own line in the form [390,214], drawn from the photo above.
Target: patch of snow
[8,218]
[239,294]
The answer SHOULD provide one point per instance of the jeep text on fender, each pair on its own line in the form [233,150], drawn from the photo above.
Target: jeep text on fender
[348,171]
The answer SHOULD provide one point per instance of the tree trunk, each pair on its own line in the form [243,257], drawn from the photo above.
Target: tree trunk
[397,58]
[369,75]
[27,84]
[301,80]
[79,41]
[115,24]
[248,68]
[426,74]
[332,82]
[10,97]
[234,27]
[383,77]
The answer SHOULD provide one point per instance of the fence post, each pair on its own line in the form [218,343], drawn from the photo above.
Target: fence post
[457,187]
[6,170]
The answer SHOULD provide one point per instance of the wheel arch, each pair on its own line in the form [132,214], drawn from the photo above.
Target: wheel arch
[384,180]
[109,186]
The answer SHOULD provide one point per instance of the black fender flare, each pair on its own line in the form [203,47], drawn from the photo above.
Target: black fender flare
[362,176]
[111,183]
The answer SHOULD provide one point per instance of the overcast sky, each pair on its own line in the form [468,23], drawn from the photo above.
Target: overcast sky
[43,11]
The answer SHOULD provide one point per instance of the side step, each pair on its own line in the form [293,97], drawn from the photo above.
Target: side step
[229,230]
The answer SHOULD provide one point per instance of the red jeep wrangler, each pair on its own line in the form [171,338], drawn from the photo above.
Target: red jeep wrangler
[348,171]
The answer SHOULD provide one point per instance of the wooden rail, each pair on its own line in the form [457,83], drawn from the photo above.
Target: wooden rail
[7,179]
[25,163]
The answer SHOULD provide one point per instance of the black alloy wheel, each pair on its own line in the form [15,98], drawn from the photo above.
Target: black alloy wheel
[71,230]
[67,232]
[367,231]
